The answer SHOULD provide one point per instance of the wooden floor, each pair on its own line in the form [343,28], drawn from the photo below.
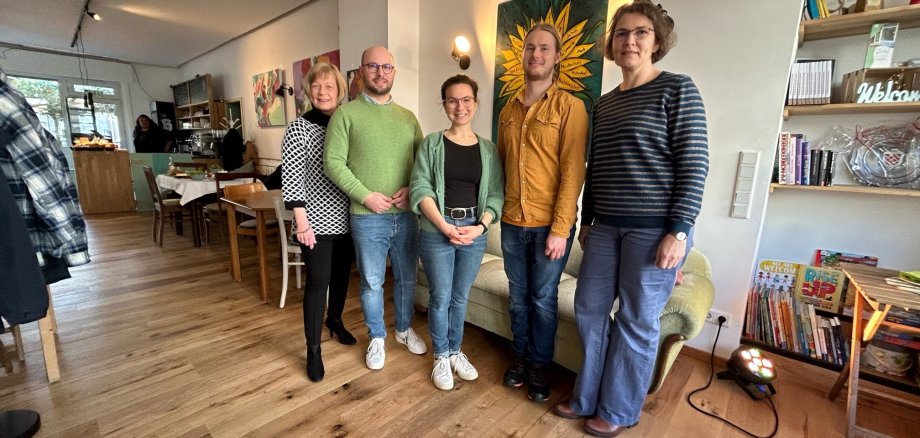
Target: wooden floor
[161,342]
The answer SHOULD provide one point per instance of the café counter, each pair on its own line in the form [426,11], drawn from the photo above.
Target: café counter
[103,180]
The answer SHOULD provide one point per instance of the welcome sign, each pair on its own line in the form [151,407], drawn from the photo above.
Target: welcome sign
[867,93]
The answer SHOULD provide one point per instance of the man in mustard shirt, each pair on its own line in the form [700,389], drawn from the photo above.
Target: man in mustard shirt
[541,141]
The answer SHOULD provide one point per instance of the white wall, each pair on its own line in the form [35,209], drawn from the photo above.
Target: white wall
[155,80]
[403,41]
[799,222]
[310,30]
[360,26]
[740,66]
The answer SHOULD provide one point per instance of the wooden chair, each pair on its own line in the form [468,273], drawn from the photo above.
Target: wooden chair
[196,166]
[163,208]
[215,209]
[248,227]
[291,254]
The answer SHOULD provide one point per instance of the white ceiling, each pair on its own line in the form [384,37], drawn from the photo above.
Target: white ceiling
[157,32]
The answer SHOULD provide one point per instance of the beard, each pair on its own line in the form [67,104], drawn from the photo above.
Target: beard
[532,75]
[370,86]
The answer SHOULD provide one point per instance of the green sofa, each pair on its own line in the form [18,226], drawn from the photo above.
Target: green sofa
[682,318]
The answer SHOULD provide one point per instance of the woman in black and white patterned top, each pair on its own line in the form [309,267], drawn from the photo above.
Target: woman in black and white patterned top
[320,214]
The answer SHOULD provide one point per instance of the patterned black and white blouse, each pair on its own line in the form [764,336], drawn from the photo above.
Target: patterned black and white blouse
[303,181]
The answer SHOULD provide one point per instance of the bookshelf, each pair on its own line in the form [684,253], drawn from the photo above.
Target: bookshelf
[884,191]
[800,219]
[857,24]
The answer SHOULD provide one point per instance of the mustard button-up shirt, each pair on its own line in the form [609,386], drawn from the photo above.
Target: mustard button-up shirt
[542,149]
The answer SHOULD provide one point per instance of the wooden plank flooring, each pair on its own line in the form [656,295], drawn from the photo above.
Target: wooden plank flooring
[161,342]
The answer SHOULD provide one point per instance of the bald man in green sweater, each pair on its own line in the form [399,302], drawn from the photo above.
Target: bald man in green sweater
[370,150]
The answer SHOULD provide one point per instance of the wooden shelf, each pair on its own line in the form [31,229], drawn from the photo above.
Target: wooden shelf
[858,24]
[850,189]
[850,108]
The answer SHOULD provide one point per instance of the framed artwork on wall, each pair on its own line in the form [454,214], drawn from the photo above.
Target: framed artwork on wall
[355,83]
[580,24]
[301,88]
[269,106]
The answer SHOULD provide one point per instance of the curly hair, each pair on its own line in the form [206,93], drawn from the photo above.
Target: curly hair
[665,36]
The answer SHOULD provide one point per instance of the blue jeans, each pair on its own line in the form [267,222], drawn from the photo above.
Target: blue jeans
[533,282]
[451,270]
[619,354]
[376,236]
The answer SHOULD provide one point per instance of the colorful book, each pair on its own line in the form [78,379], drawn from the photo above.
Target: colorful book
[821,287]
[832,259]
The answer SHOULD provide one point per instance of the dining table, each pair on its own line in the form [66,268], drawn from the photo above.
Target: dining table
[260,206]
[191,191]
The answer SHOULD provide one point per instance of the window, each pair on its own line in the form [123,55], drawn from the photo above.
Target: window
[104,118]
[45,97]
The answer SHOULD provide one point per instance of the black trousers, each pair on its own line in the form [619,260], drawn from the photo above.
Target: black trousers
[328,267]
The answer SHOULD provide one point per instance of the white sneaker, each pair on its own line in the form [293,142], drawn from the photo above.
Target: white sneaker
[462,366]
[410,339]
[442,377]
[376,354]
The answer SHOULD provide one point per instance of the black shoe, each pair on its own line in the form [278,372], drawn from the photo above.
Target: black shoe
[336,328]
[516,373]
[315,370]
[537,384]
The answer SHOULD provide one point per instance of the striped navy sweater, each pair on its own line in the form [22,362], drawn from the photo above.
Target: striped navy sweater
[649,156]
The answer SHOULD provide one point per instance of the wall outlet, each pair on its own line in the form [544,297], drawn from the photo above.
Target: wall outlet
[713,317]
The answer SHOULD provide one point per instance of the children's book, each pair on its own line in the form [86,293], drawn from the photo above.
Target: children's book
[821,287]
[776,275]
[832,259]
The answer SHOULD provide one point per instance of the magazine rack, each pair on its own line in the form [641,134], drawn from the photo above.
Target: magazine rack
[874,297]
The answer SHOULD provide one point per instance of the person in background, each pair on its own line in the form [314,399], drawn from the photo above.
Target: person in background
[148,137]
[370,149]
[541,140]
[321,223]
[457,186]
[231,150]
[646,172]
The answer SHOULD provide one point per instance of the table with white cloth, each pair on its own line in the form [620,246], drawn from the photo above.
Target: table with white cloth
[191,190]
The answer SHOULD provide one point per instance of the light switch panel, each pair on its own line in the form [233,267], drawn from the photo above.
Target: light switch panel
[744,184]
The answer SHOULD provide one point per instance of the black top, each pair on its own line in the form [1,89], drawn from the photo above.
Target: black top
[153,140]
[462,171]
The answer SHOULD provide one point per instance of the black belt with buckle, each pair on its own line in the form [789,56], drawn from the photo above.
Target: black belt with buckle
[460,213]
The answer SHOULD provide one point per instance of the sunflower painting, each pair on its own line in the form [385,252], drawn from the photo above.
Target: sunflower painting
[580,24]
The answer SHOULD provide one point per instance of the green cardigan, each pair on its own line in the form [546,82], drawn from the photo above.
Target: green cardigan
[370,148]
[428,179]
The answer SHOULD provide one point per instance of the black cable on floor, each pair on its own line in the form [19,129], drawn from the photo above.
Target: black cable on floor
[712,373]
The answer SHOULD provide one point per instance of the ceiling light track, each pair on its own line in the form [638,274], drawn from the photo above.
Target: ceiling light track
[84,12]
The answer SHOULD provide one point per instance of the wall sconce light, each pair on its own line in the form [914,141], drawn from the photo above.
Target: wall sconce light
[284,87]
[94,16]
[459,52]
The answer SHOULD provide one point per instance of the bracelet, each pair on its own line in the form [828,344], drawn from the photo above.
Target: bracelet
[304,231]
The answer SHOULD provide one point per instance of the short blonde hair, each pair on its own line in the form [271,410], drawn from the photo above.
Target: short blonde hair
[323,69]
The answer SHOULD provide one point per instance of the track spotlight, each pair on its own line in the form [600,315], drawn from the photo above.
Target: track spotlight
[94,16]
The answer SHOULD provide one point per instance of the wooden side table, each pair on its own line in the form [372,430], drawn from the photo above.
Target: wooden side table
[877,296]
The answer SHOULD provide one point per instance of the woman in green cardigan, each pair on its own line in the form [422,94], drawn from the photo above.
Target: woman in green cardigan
[457,186]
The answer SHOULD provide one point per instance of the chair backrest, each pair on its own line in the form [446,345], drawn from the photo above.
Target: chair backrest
[284,215]
[197,166]
[243,189]
[227,176]
[154,188]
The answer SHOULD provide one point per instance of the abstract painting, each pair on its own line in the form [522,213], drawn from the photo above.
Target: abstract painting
[269,106]
[301,88]
[580,24]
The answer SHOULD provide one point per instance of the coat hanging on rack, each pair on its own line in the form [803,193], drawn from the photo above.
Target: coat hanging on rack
[22,288]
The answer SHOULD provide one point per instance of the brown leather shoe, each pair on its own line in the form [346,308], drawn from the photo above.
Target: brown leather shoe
[598,427]
[564,410]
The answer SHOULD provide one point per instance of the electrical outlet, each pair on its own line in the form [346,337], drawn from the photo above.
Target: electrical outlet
[713,317]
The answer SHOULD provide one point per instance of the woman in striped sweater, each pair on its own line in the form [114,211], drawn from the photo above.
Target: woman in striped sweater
[644,187]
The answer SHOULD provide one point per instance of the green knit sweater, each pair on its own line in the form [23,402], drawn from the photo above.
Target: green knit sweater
[371,148]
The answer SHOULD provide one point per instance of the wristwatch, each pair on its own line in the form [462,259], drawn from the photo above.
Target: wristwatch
[485,228]
[680,236]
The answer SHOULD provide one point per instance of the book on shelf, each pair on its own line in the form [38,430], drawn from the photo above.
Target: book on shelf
[826,258]
[821,287]
[810,82]
[798,163]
